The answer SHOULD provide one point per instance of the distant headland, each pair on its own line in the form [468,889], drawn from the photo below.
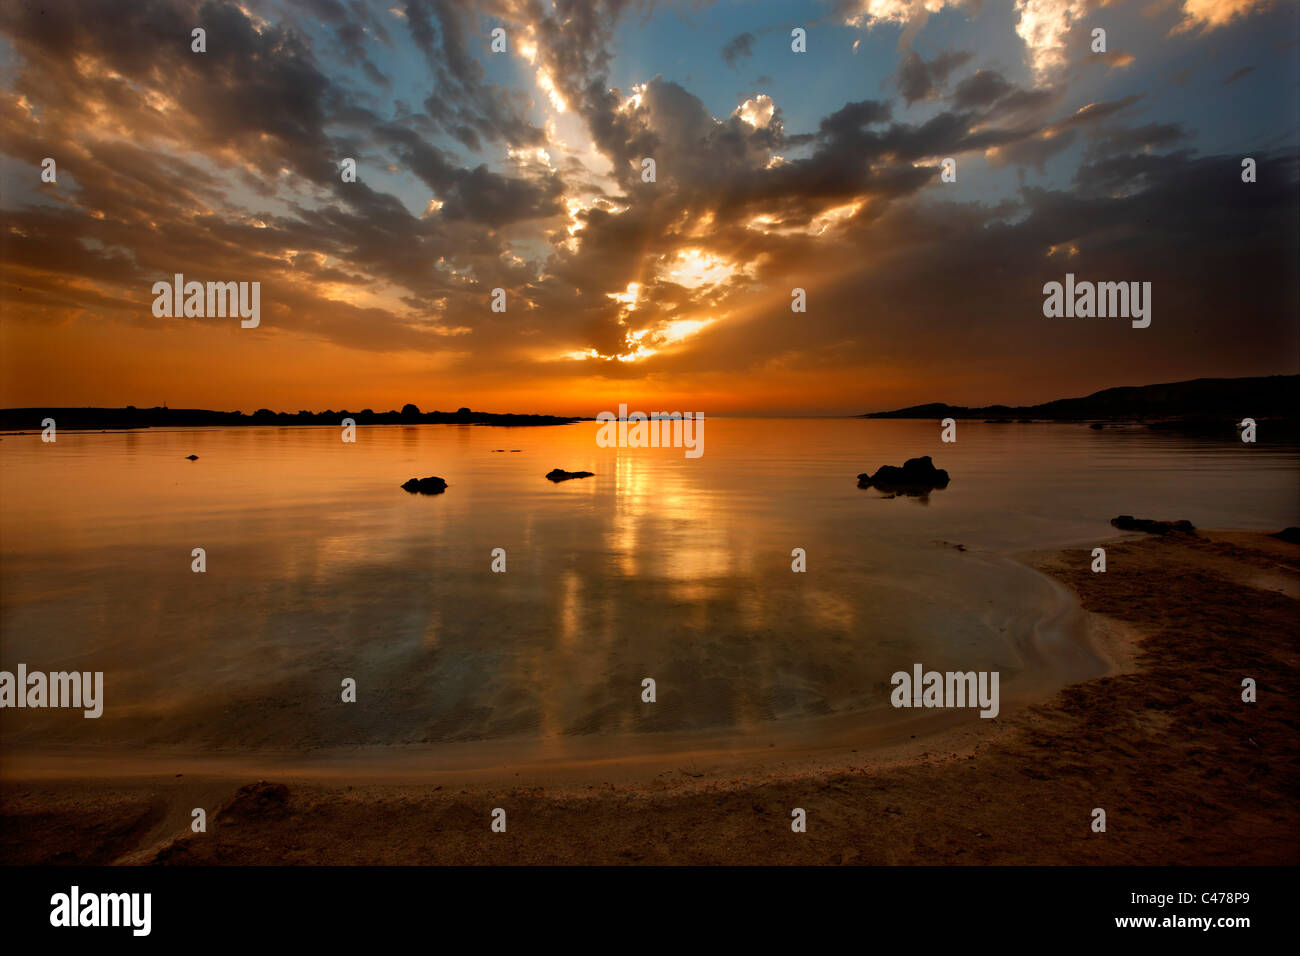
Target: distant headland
[29,419]
[1207,404]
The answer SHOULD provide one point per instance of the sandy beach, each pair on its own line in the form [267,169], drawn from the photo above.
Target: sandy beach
[1186,772]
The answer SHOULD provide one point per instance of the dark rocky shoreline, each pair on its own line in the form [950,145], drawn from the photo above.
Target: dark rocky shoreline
[29,419]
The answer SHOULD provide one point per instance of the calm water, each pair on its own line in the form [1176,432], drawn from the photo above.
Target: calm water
[320,567]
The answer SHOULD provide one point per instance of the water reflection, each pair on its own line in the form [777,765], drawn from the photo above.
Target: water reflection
[320,567]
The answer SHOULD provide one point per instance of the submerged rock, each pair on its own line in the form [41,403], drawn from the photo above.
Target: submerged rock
[1150,526]
[559,474]
[918,476]
[425,486]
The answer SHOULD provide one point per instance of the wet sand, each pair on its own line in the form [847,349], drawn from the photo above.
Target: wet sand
[1185,771]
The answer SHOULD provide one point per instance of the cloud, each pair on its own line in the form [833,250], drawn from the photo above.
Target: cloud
[866,12]
[1045,26]
[918,80]
[225,166]
[738,47]
[1210,14]
[981,90]
[464,104]
[1149,138]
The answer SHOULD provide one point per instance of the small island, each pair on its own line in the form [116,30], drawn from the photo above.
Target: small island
[918,476]
[432,485]
[559,474]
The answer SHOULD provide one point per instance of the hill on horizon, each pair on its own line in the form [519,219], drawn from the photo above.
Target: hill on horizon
[1205,399]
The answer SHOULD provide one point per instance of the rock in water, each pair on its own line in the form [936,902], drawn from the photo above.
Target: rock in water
[192,457]
[425,486]
[918,476]
[559,474]
[1129,523]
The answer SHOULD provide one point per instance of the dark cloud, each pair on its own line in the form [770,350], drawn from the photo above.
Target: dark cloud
[918,80]
[1037,144]
[462,102]
[1111,141]
[980,90]
[477,194]
[353,27]
[738,47]
[1128,219]
[849,120]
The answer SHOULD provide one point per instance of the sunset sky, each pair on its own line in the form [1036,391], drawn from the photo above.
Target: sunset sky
[522,171]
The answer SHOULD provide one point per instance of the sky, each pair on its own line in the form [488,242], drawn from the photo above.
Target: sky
[523,171]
